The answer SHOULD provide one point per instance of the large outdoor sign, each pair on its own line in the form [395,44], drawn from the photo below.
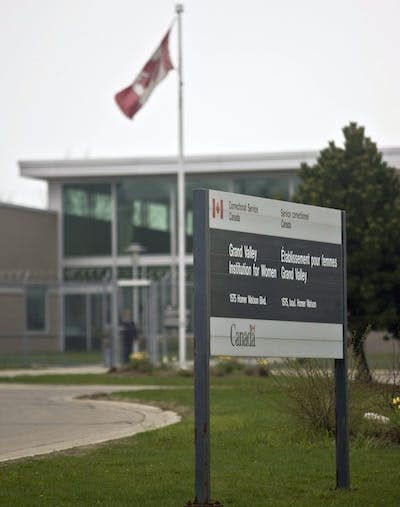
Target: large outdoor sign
[276,278]
[269,280]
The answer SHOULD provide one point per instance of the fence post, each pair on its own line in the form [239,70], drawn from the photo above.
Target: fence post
[152,322]
[115,342]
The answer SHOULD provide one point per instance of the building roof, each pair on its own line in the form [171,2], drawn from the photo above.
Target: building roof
[194,164]
[22,208]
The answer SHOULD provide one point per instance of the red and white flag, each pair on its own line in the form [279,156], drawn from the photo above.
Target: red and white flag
[217,208]
[132,98]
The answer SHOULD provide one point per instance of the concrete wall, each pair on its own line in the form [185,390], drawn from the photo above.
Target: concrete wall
[376,344]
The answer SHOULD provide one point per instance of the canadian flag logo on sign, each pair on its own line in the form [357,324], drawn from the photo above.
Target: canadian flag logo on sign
[217,208]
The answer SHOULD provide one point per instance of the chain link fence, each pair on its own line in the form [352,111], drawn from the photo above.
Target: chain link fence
[67,324]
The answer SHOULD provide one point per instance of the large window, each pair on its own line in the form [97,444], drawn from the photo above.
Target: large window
[273,186]
[87,220]
[147,210]
[144,214]
[36,309]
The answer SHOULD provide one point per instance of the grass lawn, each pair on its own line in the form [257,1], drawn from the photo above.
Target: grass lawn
[46,359]
[260,457]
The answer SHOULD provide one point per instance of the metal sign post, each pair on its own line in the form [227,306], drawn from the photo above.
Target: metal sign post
[202,350]
[341,391]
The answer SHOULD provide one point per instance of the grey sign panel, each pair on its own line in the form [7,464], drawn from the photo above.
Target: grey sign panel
[276,278]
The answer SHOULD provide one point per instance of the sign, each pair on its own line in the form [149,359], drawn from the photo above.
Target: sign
[269,280]
[276,278]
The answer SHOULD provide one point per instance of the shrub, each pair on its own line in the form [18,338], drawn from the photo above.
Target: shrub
[261,368]
[140,362]
[311,391]
[394,417]
[374,409]
[226,365]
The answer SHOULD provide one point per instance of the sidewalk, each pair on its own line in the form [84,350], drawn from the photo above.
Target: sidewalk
[40,419]
[56,370]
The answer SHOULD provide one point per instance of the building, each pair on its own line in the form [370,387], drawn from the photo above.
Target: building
[104,205]
[29,299]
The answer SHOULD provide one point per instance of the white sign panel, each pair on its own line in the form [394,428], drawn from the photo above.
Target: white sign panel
[276,278]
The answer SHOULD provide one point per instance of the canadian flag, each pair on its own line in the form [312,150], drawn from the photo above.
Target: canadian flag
[217,208]
[132,98]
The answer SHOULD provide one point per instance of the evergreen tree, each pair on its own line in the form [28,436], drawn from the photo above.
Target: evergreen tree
[356,179]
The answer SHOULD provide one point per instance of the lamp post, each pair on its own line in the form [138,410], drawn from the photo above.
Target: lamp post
[135,249]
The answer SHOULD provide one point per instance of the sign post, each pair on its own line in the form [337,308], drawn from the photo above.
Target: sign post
[202,350]
[270,281]
[341,391]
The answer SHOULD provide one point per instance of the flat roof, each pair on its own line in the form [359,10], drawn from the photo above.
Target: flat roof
[168,165]
[19,207]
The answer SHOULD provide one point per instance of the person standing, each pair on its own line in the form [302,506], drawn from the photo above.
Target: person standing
[129,335]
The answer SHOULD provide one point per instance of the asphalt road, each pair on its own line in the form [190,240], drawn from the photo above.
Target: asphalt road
[39,419]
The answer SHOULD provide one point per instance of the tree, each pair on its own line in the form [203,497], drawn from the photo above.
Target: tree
[356,179]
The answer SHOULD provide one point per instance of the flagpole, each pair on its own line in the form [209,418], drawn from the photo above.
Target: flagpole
[181,203]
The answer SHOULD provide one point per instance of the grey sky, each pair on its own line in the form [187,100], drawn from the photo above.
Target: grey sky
[259,76]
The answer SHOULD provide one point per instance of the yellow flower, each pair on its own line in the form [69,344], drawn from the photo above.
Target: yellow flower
[138,356]
[396,401]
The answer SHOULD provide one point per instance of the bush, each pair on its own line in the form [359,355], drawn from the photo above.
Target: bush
[311,391]
[140,362]
[226,365]
[395,418]
[374,409]
[262,368]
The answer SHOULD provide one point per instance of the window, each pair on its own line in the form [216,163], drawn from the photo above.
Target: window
[272,186]
[144,214]
[36,309]
[87,219]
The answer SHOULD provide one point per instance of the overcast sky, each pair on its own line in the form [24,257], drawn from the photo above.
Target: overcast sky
[260,76]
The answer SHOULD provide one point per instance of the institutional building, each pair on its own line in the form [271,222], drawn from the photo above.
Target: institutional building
[104,205]
[29,299]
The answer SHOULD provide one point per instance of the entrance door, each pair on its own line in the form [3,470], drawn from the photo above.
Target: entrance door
[75,322]
[86,319]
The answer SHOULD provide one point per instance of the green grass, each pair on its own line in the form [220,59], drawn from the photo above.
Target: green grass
[32,359]
[42,359]
[260,457]
[107,378]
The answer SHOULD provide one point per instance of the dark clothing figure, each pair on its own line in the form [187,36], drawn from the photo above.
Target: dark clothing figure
[129,334]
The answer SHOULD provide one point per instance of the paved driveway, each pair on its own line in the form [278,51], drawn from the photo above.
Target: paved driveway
[39,419]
